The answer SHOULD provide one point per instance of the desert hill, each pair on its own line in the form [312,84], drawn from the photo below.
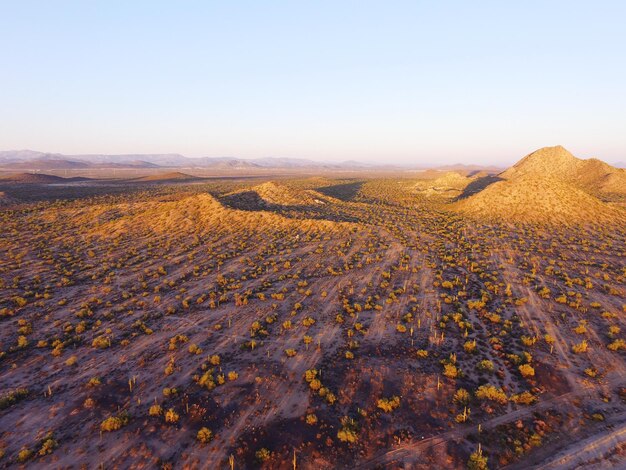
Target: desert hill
[273,195]
[39,178]
[449,184]
[550,185]
[282,195]
[192,214]
[591,175]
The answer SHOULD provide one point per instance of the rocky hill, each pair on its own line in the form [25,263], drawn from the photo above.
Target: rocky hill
[551,185]
[591,175]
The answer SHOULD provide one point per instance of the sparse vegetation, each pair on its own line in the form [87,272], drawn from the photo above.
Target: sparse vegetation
[367,312]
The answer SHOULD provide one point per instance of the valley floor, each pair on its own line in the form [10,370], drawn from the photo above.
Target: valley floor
[349,323]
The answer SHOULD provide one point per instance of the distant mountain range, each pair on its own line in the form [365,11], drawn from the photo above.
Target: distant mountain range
[34,160]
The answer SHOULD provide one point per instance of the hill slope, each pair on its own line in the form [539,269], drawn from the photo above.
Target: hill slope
[39,178]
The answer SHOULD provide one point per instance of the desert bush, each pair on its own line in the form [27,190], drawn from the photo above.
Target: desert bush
[48,445]
[580,347]
[388,404]
[524,398]
[12,397]
[461,397]
[450,371]
[348,431]
[491,393]
[155,410]
[114,423]
[422,353]
[204,435]
[101,342]
[617,345]
[526,370]
[171,416]
[470,346]
[477,461]
[262,455]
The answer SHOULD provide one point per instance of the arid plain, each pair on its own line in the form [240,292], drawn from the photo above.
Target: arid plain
[433,319]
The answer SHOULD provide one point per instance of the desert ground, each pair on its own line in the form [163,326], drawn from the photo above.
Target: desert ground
[290,320]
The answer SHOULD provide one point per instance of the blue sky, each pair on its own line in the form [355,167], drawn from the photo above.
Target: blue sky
[387,81]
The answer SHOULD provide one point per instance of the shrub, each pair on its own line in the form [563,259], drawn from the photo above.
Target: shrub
[114,423]
[12,397]
[348,431]
[450,371]
[22,342]
[491,393]
[617,345]
[524,398]
[388,404]
[155,410]
[461,397]
[477,461]
[194,349]
[171,416]
[315,384]
[101,342]
[72,360]
[263,455]
[48,445]
[580,347]
[205,435]
[527,370]
[470,346]
[24,454]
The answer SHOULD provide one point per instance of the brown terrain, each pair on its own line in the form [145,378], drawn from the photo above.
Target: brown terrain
[432,321]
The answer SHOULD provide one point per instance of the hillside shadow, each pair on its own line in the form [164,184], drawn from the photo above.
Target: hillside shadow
[246,201]
[344,192]
[478,185]
[252,202]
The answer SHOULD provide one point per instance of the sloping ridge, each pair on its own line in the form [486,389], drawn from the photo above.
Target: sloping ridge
[171,176]
[549,185]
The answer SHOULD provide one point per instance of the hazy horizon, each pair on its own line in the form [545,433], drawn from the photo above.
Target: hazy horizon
[408,83]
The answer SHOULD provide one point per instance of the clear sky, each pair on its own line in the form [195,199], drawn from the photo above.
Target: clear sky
[387,81]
